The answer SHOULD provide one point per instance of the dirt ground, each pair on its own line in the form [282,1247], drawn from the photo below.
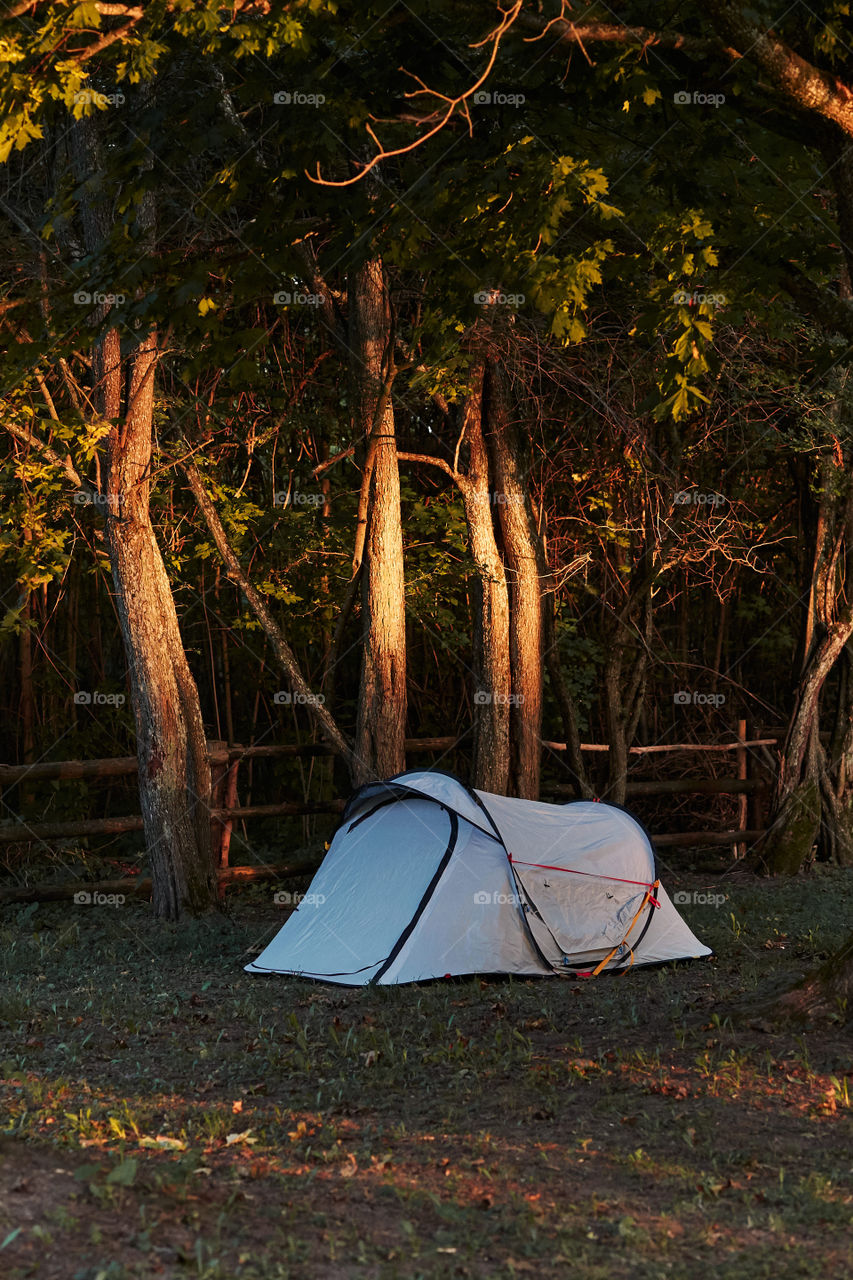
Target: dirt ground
[165,1114]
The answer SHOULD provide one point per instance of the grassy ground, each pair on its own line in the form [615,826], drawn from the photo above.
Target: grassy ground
[165,1114]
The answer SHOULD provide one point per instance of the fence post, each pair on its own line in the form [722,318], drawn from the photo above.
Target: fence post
[218,770]
[230,803]
[743,800]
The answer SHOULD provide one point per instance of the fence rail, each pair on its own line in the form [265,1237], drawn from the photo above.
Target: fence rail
[137,886]
[119,766]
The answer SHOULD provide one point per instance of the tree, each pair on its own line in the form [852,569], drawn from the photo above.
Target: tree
[174,773]
[491,678]
[381,729]
[524,558]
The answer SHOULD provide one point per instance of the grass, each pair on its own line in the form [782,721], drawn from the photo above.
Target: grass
[165,1114]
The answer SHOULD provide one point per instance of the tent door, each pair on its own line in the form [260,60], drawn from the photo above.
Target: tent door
[577,919]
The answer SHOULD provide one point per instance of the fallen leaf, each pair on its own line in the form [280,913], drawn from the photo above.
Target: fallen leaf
[163,1143]
[234,1138]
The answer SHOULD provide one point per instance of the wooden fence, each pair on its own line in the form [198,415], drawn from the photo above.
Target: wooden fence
[225,763]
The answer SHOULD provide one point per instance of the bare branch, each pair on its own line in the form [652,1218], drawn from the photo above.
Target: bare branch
[496,36]
[108,38]
[330,462]
[433,462]
[16,10]
[49,454]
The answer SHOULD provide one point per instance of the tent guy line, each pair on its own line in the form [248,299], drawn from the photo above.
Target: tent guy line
[573,871]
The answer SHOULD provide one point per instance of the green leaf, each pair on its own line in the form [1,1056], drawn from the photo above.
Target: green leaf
[124,1174]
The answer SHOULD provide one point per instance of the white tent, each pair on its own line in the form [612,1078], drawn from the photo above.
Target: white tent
[427,878]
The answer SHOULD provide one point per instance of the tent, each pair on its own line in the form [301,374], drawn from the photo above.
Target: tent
[428,878]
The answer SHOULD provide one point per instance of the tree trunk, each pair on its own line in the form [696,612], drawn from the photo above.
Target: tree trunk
[523,557]
[26,705]
[804,776]
[491,665]
[841,758]
[174,774]
[381,720]
[565,702]
[615,729]
[624,694]
[826,993]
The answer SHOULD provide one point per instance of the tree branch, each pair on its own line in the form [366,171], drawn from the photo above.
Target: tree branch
[495,37]
[805,84]
[330,462]
[433,462]
[108,38]
[607,33]
[65,461]
[285,655]
[16,10]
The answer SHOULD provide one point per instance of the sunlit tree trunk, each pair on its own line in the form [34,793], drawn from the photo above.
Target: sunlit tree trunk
[492,684]
[523,558]
[381,720]
[174,773]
